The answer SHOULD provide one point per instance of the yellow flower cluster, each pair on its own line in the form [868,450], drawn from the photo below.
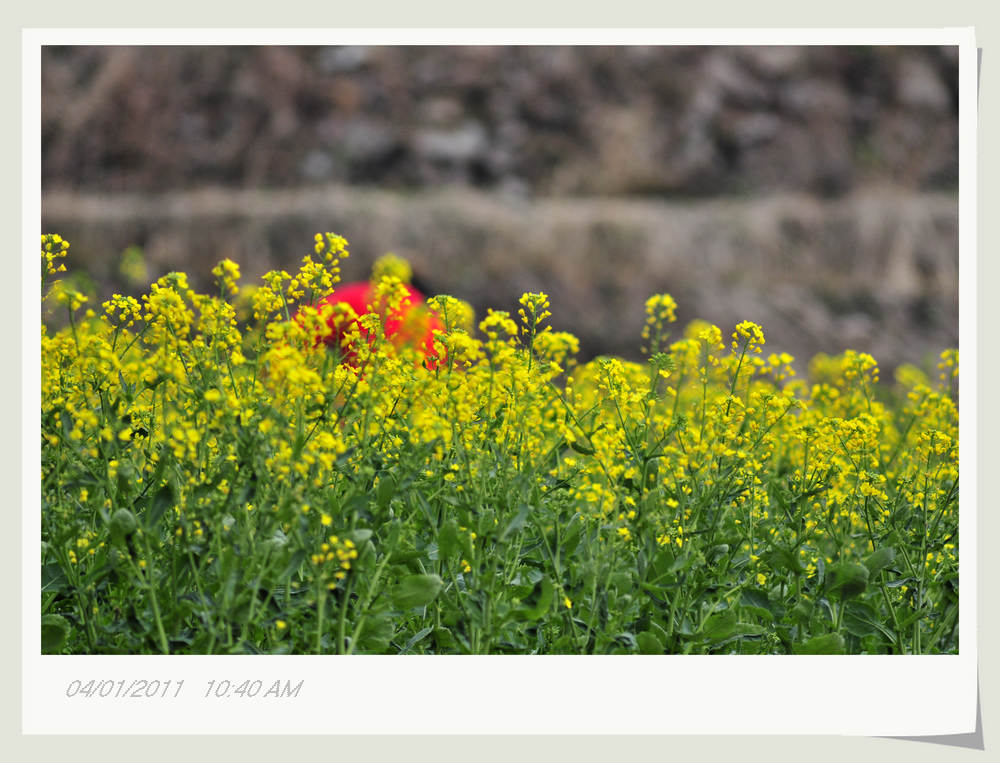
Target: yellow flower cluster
[228,274]
[661,309]
[54,248]
[333,559]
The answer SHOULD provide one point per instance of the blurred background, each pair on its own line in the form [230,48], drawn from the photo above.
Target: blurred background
[810,189]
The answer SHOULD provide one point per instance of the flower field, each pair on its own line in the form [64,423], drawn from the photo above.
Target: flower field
[269,469]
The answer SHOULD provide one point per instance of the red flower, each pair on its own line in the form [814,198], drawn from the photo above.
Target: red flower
[412,325]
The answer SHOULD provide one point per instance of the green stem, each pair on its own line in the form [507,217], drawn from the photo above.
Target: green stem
[164,644]
[320,607]
[366,602]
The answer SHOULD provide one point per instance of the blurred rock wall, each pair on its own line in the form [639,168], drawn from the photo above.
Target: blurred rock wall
[679,121]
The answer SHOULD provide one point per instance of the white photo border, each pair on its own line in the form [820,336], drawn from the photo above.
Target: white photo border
[853,695]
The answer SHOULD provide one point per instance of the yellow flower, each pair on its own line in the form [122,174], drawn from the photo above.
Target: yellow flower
[228,273]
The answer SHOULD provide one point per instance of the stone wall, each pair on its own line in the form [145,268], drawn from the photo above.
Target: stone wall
[663,121]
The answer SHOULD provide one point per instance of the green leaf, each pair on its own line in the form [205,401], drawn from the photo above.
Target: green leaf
[749,629]
[516,523]
[293,564]
[751,597]
[53,578]
[659,631]
[418,636]
[125,480]
[571,536]
[386,490]
[278,540]
[685,560]
[541,597]
[719,626]
[880,559]
[716,552]
[620,581]
[802,612]
[565,644]
[908,620]
[416,591]
[649,643]
[448,538]
[390,533]
[121,525]
[662,562]
[157,506]
[628,639]
[780,557]
[55,631]
[351,505]
[858,626]
[443,639]
[820,571]
[862,620]
[358,536]
[763,614]
[738,631]
[524,582]
[376,635]
[847,579]
[828,643]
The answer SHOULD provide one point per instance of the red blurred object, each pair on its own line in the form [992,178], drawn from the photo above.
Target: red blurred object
[412,325]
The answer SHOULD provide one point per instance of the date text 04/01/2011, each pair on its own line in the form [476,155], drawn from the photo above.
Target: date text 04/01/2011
[141,688]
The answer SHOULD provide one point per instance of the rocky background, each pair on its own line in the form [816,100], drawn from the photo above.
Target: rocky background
[811,189]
